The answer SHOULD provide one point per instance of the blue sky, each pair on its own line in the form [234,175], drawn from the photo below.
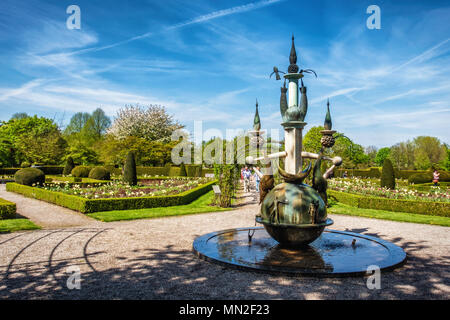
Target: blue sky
[210,59]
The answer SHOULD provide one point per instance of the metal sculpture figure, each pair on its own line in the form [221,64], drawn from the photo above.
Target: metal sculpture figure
[277,73]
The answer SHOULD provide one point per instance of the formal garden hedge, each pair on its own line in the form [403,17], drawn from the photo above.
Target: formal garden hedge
[7,209]
[172,171]
[53,170]
[397,205]
[95,205]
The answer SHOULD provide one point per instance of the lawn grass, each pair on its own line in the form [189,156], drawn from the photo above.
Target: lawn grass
[201,205]
[339,208]
[11,225]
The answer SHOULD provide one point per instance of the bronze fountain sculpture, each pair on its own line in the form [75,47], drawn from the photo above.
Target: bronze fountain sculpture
[294,240]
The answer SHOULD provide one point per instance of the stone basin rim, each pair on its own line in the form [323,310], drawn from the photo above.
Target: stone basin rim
[397,259]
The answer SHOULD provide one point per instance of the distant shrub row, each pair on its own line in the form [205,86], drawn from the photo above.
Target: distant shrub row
[397,205]
[95,205]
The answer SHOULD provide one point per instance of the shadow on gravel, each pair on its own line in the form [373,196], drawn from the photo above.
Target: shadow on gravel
[168,273]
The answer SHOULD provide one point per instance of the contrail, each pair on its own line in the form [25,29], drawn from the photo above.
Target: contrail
[199,19]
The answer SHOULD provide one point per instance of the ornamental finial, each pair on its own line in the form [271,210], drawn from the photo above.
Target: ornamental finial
[293,68]
[327,124]
[256,121]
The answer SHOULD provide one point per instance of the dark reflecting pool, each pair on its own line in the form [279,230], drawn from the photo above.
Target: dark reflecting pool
[334,253]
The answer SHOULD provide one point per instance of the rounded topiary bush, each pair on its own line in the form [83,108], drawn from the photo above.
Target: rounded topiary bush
[129,170]
[30,176]
[69,166]
[81,172]
[100,173]
[387,175]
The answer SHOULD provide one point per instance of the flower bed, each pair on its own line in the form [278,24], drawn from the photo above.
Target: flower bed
[86,205]
[117,189]
[434,208]
[370,187]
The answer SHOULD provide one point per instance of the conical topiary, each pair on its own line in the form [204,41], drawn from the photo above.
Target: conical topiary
[388,175]
[129,172]
[183,170]
[69,166]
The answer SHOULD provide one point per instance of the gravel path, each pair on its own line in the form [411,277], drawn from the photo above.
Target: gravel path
[44,214]
[153,259]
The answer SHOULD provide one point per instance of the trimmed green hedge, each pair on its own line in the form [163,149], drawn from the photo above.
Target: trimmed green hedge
[95,205]
[7,209]
[46,169]
[375,172]
[397,205]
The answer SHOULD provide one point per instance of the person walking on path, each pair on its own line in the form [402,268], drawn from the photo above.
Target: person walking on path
[436,175]
[257,180]
[246,174]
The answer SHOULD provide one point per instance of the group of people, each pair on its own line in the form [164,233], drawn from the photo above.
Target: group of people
[250,177]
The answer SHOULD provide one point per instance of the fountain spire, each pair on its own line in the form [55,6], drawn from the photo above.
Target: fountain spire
[328,124]
[293,68]
[256,121]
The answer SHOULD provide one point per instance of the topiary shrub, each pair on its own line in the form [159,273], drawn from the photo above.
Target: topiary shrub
[100,173]
[129,172]
[81,172]
[387,175]
[30,176]
[69,166]
[183,170]
[25,164]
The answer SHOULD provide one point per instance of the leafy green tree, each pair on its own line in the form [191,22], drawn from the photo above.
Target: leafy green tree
[77,123]
[382,154]
[30,139]
[99,122]
[402,155]
[311,140]
[147,153]
[47,149]
[82,154]
[19,115]
[428,152]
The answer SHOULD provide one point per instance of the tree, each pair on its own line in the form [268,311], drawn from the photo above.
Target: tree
[30,139]
[429,152]
[77,123]
[402,155]
[129,170]
[371,152]
[147,153]
[151,123]
[382,154]
[98,123]
[311,140]
[387,175]
[82,154]
[47,148]
[19,115]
